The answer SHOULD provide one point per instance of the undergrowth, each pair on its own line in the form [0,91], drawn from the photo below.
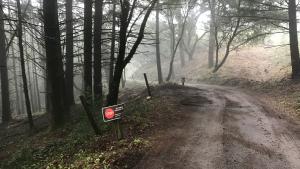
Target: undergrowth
[76,146]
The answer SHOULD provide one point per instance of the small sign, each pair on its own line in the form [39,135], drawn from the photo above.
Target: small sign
[112,113]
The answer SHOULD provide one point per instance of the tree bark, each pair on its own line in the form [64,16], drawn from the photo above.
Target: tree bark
[88,34]
[55,74]
[18,104]
[26,55]
[112,47]
[6,113]
[212,43]
[181,50]
[35,76]
[97,54]
[158,61]
[24,77]
[36,84]
[294,39]
[69,76]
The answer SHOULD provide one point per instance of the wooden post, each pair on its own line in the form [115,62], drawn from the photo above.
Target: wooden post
[118,129]
[183,81]
[90,115]
[147,84]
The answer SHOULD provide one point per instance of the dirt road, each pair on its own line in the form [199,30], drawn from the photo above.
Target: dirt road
[227,129]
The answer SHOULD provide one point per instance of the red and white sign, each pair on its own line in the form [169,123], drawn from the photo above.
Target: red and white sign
[112,113]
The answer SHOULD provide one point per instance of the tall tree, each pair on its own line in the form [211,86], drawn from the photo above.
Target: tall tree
[97,53]
[69,54]
[112,46]
[23,69]
[15,76]
[88,34]
[294,39]
[235,26]
[175,42]
[54,64]
[27,61]
[6,114]
[126,16]
[158,61]
[181,49]
[212,44]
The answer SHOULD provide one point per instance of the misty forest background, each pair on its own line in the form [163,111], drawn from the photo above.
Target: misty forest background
[53,51]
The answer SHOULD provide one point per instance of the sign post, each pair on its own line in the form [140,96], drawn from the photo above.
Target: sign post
[183,81]
[114,113]
[147,84]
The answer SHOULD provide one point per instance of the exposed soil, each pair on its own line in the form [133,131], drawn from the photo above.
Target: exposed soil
[223,128]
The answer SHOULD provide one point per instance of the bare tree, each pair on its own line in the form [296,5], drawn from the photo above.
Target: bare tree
[212,44]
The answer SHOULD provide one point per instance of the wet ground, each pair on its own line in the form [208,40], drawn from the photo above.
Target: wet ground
[224,129]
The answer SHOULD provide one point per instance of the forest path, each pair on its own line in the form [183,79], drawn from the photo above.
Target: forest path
[228,129]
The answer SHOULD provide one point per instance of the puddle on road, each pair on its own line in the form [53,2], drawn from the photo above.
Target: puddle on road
[195,101]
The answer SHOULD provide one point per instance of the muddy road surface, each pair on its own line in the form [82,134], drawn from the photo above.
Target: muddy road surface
[226,129]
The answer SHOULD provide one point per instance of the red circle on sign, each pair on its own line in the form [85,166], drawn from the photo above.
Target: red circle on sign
[109,114]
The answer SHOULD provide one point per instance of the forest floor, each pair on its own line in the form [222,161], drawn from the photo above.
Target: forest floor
[201,126]
[76,146]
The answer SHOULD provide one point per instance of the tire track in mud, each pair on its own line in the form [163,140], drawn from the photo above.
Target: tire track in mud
[226,129]
[250,137]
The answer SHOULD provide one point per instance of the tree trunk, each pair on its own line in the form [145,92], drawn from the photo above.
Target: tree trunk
[69,54]
[35,81]
[294,40]
[173,53]
[15,76]
[18,105]
[6,114]
[88,34]
[28,71]
[181,50]
[123,79]
[55,74]
[212,43]
[43,59]
[112,49]
[97,54]
[36,84]
[24,77]
[158,61]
